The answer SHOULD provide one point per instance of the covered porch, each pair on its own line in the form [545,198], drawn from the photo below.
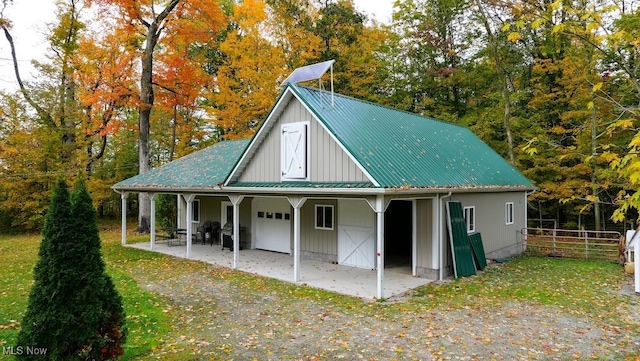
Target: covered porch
[346,280]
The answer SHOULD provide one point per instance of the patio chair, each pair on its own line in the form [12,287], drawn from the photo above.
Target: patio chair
[211,232]
[215,233]
[200,234]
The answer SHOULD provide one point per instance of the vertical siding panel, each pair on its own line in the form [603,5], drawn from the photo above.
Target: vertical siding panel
[328,160]
[321,242]
[490,218]
[318,154]
[332,160]
[344,160]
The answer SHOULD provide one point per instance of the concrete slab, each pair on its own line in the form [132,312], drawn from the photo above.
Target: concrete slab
[346,280]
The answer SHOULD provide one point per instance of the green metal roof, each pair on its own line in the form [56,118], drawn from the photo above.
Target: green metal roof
[207,168]
[405,150]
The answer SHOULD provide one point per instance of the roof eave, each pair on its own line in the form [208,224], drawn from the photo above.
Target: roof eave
[310,190]
[471,189]
[160,189]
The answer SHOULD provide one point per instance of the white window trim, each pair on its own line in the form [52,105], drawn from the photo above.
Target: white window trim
[509,209]
[223,212]
[193,209]
[471,226]
[333,217]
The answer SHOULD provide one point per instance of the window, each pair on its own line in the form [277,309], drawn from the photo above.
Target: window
[470,218]
[226,213]
[196,211]
[508,213]
[324,217]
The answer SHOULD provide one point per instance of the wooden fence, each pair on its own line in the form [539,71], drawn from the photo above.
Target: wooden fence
[575,244]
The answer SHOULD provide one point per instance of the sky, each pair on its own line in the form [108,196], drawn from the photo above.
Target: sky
[31,16]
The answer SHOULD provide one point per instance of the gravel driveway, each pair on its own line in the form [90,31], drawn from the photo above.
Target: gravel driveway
[219,320]
[216,319]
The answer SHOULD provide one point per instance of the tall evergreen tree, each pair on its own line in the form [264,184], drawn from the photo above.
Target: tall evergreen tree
[102,309]
[74,311]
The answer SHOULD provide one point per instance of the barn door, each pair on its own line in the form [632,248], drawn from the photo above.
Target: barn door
[294,151]
[356,234]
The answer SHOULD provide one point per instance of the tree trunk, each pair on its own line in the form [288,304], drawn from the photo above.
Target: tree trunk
[504,80]
[154,29]
[173,132]
[594,179]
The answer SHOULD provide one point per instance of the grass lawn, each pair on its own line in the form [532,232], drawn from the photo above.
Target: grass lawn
[173,307]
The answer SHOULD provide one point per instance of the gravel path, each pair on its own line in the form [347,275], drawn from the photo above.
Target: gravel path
[217,320]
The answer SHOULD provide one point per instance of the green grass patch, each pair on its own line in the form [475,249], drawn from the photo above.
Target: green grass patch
[147,322]
[159,324]
[581,287]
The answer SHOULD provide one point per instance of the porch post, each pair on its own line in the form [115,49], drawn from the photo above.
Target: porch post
[189,198]
[152,242]
[296,203]
[123,197]
[380,243]
[414,238]
[236,200]
[636,265]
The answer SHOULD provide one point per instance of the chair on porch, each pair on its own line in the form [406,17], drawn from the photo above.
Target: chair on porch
[215,233]
[211,232]
[200,235]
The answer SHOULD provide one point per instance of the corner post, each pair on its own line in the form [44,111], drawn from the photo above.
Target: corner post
[123,197]
[152,242]
[636,265]
[189,199]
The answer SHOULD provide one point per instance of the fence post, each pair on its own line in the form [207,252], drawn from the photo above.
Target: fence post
[554,240]
[586,244]
[636,265]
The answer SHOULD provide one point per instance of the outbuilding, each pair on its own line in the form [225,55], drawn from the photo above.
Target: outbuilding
[346,181]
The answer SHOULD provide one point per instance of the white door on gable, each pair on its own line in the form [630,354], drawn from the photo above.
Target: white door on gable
[294,151]
[272,219]
[356,234]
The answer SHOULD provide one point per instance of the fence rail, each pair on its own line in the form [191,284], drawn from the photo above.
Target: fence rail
[576,244]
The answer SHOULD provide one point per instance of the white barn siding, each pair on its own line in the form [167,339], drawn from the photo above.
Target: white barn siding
[499,240]
[328,162]
[315,243]
[424,237]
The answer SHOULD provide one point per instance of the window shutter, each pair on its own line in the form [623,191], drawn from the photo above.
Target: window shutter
[294,151]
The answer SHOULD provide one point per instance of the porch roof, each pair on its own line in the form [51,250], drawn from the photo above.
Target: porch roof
[205,169]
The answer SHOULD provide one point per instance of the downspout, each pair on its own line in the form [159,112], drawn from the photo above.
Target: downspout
[441,237]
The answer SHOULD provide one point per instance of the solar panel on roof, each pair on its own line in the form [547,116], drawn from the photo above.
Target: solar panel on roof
[309,72]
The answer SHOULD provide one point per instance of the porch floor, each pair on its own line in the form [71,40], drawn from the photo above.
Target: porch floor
[323,275]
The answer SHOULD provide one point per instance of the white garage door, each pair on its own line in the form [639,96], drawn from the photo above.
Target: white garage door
[272,219]
[356,234]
